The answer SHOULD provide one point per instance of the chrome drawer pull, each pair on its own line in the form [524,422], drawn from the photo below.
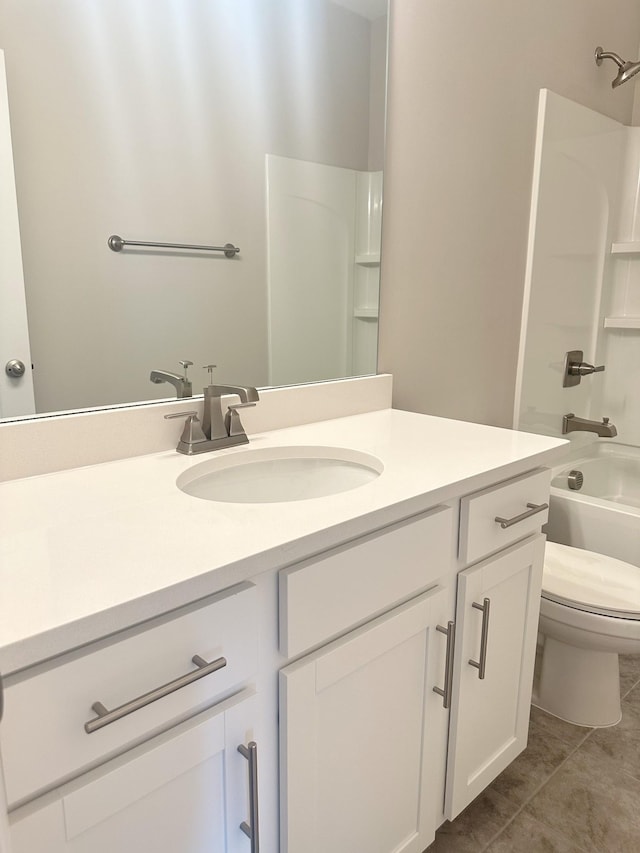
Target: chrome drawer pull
[445,691]
[533,509]
[251,829]
[481,665]
[105,717]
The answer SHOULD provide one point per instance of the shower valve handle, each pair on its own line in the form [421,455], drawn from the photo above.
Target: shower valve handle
[581,368]
[575,368]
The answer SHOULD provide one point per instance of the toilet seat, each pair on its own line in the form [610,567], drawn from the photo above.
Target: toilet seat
[595,583]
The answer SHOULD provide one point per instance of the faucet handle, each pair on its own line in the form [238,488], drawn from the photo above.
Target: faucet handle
[232,422]
[186,364]
[192,432]
[181,415]
[209,367]
[575,368]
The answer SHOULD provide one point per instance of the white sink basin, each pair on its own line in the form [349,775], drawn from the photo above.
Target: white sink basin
[275,474]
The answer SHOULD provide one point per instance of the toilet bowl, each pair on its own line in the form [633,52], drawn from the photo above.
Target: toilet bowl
[589,614]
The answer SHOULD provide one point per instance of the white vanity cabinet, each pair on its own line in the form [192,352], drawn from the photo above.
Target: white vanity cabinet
[356,722]
[496,624]
[361,729]
[185,790]
[496,628]
[404,720]
[167,764]
[404,659]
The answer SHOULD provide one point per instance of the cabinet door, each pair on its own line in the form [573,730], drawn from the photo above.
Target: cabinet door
[183,791]
[490,706]
[355,733]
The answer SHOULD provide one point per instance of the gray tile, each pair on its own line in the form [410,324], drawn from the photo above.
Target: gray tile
[533,767]
[630,711]
[629,672]
[617,744]
[551,725]
[526,835]
[472,830]
[592,802]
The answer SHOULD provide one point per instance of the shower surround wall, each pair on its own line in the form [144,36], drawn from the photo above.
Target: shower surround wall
[585,198]
[621,325]
[323,270]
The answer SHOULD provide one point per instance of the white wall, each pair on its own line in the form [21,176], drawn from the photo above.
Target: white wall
[127,120]
[377,93]
[463,91]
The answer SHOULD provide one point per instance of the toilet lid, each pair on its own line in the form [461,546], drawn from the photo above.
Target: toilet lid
[589,581]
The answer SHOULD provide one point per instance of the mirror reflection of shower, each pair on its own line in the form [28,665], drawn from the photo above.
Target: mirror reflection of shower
[626,70]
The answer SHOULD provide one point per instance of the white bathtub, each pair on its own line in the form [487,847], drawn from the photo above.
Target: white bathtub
[604,515]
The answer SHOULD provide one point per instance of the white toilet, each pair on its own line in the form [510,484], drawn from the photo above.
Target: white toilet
[589,614]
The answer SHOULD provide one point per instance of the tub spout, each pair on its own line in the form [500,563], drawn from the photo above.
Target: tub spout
[603,429]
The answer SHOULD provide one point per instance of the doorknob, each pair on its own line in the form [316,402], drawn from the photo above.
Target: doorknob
[15,368]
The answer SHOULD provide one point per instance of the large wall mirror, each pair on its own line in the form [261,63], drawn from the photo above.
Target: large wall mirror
[253,122]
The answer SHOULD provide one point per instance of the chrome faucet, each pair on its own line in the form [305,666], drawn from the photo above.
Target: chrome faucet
[216,431]
[570,423]
[182,384]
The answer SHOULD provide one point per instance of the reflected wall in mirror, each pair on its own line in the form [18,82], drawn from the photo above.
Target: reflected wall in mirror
[255,122]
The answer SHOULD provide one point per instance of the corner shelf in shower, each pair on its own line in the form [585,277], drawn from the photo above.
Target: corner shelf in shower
[365,313]
[622,323]
[625,248]
[370,259]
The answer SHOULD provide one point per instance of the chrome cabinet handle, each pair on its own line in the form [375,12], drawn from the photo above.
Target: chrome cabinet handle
[105,717]
[481,665]
[251,830]
[445,691]
[532,510]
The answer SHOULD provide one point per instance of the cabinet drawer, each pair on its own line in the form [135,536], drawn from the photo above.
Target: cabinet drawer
[327,595]
[44,740]
[482,534]
[184,790]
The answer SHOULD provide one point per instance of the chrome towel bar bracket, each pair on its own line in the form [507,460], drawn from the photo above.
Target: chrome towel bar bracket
[117,244]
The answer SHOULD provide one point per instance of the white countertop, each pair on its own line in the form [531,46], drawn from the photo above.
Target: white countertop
[92,550]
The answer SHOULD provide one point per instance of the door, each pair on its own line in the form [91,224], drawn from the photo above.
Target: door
[186,790]
[16,391]
[357,769]
[496,629]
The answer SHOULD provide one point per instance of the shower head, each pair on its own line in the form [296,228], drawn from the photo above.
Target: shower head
[626,70]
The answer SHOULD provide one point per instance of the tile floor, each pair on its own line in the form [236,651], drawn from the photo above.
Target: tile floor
[573,790]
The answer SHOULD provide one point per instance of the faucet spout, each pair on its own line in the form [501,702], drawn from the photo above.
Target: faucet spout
[246,393]
[603,429]
[216,427]
[180,383]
